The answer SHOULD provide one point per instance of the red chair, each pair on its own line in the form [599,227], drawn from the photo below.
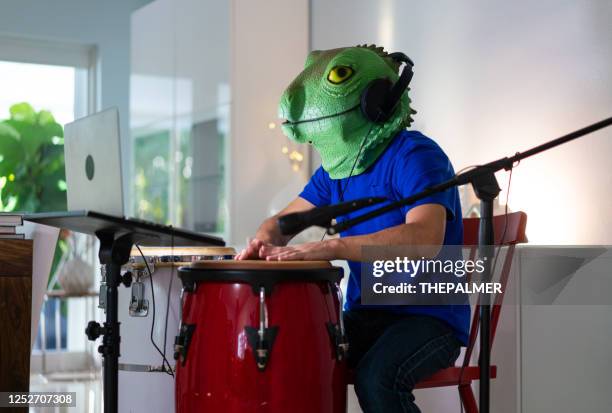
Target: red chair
[513,232]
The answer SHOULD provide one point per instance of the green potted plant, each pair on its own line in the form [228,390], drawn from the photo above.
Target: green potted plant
[32,177]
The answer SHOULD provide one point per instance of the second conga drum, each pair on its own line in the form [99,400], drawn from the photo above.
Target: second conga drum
[143,387]
[261,337]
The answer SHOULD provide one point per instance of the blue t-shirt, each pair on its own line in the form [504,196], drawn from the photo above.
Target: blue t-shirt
[409,164]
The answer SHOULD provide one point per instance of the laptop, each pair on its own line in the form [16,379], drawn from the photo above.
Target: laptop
[92,155]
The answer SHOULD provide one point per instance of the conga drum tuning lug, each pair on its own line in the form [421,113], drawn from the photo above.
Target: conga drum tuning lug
[181,342]
[139,306]
[261,339]
[102,296]
[338,340]
[336,331]
[262,346]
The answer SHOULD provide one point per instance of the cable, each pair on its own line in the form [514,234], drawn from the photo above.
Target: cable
[505,219]
[365,139]
[165,362]
[168,298]
[363,142]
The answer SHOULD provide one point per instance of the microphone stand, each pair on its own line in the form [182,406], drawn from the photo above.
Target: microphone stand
[486,188]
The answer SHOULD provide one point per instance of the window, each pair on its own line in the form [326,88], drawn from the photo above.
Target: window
[179,114]
[59,79]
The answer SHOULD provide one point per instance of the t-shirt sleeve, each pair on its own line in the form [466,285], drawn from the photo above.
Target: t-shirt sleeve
[422,168]
[317,190]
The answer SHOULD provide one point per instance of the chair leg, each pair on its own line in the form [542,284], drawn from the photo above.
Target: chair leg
[467,398]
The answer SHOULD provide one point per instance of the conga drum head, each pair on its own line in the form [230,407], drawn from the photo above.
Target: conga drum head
[262,265]
[176,256]
[259,273]
[260,336]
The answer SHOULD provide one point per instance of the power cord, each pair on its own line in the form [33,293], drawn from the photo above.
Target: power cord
[365,139]
[165,364]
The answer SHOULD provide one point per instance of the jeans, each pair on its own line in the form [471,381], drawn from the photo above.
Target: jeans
[392,352]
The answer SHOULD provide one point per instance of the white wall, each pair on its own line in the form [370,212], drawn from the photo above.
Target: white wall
[180,56]
[104,24]
[269,46]
[496,77]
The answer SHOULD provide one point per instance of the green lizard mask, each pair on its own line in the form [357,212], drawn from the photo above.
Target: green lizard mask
[321,107]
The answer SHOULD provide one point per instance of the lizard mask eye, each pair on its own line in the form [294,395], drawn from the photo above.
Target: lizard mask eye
[339,74]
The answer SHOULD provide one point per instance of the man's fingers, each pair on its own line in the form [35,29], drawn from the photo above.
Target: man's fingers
[251,251]
[286,255]
[291,256]
[267,250]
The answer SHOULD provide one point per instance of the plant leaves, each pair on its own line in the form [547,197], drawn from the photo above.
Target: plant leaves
[45,117]
[23,112]
[11,150]
[8,130]
[34,163]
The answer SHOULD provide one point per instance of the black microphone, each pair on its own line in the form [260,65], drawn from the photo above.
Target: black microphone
[296,222]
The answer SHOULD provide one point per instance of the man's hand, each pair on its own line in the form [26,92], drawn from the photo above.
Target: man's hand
[252,250]
[311,251]
[269,234]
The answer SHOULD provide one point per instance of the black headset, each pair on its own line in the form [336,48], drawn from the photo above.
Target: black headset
[380,98]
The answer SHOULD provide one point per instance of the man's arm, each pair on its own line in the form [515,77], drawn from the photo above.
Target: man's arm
[425,226]
[269,233]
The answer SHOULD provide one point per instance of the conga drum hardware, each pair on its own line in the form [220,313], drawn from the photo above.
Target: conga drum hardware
[141,270]
[139,306]
[261,340]
[185,331]
[102,291]
[336,331]
[166,256]
[181,342]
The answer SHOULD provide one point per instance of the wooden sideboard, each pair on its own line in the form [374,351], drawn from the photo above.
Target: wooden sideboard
[15,314]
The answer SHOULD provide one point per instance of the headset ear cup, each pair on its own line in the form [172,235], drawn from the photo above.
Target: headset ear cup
[373,99]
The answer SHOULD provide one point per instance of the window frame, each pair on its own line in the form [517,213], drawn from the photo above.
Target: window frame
[85,60]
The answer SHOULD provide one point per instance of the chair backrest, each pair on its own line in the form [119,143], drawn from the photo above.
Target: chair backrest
[512,228]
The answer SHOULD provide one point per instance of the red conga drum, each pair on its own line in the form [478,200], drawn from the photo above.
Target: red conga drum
[260,336]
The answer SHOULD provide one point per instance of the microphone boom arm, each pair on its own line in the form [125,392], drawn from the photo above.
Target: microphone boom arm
[467,177]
